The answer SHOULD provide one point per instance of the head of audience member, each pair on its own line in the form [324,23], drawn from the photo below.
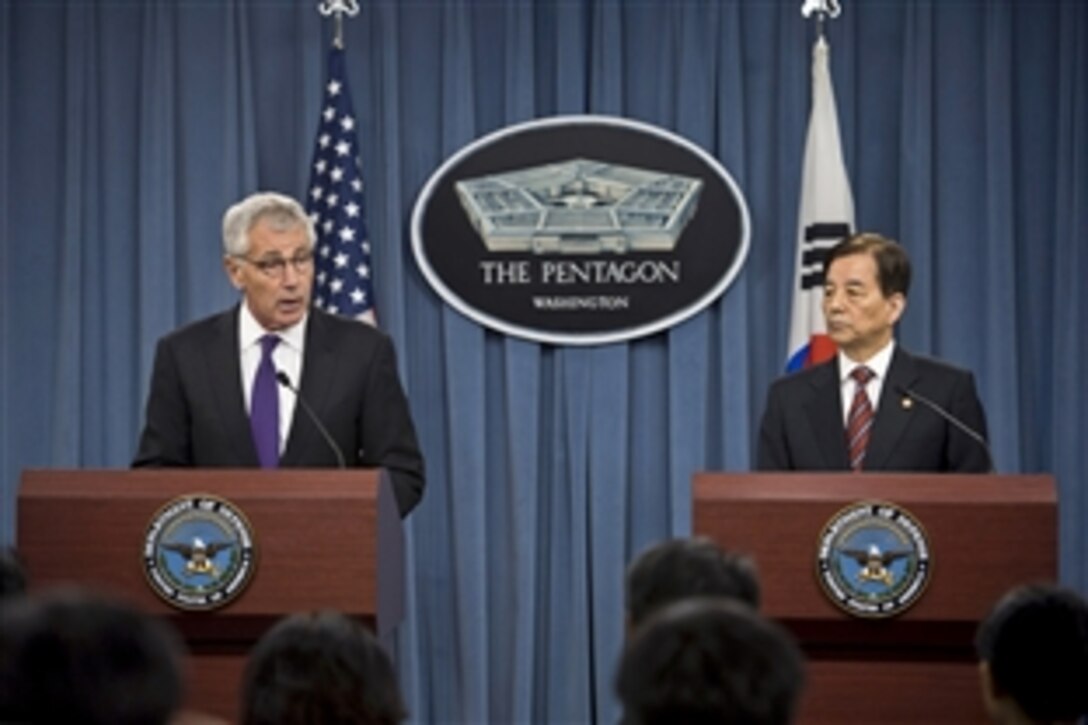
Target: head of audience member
[12,574]
[866,280]
[69,656]
[709,661]
[1033,652]
[268,245]
[678,569]
[320,667]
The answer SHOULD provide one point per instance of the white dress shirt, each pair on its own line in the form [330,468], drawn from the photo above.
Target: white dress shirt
[878,363]
[287,357]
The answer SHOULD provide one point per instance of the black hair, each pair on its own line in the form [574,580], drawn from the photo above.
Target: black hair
[73,656]
[710,661]
[320,667]
[892,263]
[1035,641]
[681,568]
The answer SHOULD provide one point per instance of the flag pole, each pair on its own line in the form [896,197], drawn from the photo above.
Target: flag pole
[822,9]
[339,8]
[334,201]
[826,212]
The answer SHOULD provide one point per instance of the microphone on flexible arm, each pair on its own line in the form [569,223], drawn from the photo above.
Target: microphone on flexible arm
[963,427]
[285,381]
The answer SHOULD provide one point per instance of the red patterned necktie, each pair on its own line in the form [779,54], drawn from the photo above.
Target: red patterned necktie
[859,423]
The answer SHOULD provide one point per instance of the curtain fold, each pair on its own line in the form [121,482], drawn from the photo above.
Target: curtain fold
[1068,413]
[126,129]
[7,458]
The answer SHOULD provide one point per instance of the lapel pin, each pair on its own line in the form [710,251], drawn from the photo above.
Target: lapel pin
[907,403]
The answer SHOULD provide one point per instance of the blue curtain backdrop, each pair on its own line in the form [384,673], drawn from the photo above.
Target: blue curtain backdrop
[127,127]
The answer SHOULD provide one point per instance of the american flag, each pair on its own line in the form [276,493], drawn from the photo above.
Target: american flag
[334,201]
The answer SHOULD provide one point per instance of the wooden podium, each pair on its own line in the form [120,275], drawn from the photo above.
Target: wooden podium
[987,533]
[322,539]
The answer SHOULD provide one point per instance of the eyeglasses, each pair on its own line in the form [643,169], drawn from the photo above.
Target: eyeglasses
[276,267]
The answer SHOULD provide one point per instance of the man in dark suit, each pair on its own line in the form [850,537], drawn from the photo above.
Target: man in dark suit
[222,388]
[866,409]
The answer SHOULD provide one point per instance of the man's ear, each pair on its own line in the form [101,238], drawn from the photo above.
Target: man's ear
[991,694]
[233,269]
[898,302]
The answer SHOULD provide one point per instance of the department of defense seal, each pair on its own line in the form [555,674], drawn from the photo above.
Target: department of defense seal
[873,559]
[199,552]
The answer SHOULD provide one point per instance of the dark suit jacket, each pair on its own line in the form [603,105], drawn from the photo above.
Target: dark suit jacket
[196,412]
[802,427]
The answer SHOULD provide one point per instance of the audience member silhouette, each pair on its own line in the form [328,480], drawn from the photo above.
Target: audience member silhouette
[709,661]
[69,656]
[12,574]
[678,569]
[321,667]
[1033,652]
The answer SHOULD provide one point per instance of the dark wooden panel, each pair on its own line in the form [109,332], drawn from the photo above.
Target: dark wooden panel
[865,693]
[323,539]
[987,533]
[970,522]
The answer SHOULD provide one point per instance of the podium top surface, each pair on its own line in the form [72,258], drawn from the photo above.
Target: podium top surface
[905,488]
[156,482]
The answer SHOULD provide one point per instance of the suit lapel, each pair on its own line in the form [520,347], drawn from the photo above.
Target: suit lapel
[318,371]
[825,416]
[225,373]
[891,417]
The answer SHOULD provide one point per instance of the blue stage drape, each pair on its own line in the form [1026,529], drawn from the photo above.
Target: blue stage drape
[126,128]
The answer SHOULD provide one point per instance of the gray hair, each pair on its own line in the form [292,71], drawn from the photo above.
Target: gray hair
[279,211]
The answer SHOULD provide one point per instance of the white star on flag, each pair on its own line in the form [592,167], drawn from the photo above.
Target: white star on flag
[343,279]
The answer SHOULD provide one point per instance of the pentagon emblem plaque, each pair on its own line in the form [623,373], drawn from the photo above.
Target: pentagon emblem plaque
[873,559]
[199,552]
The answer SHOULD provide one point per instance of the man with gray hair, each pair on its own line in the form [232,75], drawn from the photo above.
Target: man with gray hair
[224,389]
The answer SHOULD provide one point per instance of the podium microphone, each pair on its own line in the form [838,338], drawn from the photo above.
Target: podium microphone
[282,379]
[966,429]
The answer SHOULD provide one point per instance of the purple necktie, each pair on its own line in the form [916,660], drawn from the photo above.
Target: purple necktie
[264,407]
